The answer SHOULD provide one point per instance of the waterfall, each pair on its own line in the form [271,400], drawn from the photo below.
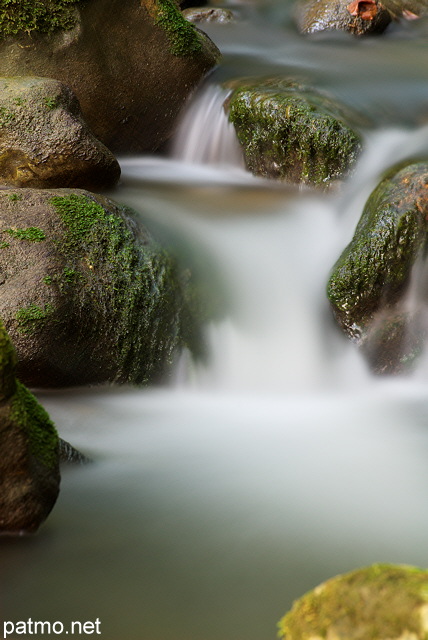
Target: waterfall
[205,135]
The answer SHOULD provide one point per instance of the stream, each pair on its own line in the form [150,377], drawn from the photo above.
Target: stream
[216,499]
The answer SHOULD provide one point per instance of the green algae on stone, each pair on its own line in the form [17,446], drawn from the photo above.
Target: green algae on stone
[45,16]
[41,432]
[381,602]
[29,445]
[374,270]
[183,37]
[32,234]
[291,132]
[31,318]
[377,288]
[99,300]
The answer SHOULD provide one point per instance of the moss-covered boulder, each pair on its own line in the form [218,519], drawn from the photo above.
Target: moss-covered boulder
[291,132]
[87,295]
[44,141]
[29,452]
[381,602]
[131,64]
[377,288]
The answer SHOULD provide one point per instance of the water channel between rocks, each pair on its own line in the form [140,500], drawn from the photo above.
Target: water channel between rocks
[216,500]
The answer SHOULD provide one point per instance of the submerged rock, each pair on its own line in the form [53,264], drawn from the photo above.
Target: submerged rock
[377,288]
[86,294]
[291,132]
[378,602]
[29,452]
[131,64]
[45,143]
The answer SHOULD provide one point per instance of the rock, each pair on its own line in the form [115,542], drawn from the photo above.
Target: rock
[87,295]
[359,17]
[381,601]
[377,287]
[209,14]
[291,132]
[406,9]
[29,460]
[131,64]
[44,141]
[69,455]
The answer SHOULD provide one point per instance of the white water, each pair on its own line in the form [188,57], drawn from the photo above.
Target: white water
[214,502]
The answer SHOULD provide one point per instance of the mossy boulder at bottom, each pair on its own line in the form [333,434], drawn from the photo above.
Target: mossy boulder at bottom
[131,64]
[291,132]
[44,141]
[381,602]
[87,295]
[378,287]
[29,452]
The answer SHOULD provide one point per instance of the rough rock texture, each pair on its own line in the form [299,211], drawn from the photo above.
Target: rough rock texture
[359,17]
[131,64]
[209,14]
[377,288]
[29,452]
[45,143]
[86,295]
[381,602]
[291,132]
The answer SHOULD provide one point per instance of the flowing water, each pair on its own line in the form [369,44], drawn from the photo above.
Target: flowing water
[215,500]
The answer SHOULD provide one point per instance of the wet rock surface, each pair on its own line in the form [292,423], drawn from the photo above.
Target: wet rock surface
[290,132]
[381,601]
[360,17]
[87,296]
[209,14]
[44,141]
[131,65]
[377,288]
[29,452]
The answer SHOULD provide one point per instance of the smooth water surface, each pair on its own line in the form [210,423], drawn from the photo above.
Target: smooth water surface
[217,499]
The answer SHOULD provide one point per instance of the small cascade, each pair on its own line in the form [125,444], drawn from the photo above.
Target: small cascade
[205,135]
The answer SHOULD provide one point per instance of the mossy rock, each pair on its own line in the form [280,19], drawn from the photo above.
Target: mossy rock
[369,287]
[44,141]
[381,602]
[87,295]
[291,132]
[131,64]
[29,451]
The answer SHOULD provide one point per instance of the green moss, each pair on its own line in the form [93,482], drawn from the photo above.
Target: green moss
[31,318]
[51,103]
[375,267]
[291,133]
[8,363]
[127,283]
[47,280]
[33,419]
[4,245]
[183,37]
[15,197]
[46,16]
[6,116]
[375,603]
[32,234]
